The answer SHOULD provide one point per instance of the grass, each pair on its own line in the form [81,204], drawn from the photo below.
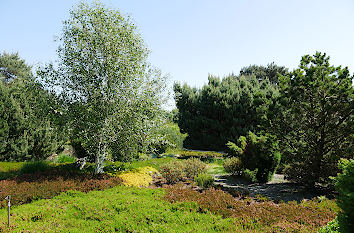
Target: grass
[215,169]
[120,209]
[155,163]
[10,169]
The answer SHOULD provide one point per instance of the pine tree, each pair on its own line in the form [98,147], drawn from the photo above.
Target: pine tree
[222,110]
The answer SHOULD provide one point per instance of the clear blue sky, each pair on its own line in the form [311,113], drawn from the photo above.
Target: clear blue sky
[191,38]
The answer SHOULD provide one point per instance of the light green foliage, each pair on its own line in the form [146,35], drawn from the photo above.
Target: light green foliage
[63,158]
[171,138]
[204,180]
[120,209]
[257,152]
[313,119]
[331,227]
[9,169]
[113,95]
[10,166]
[216,169]
[345,200]
[155,163]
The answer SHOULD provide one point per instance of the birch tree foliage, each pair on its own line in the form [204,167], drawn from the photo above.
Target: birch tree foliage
[113,95]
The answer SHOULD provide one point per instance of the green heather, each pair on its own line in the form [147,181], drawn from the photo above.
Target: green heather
[119,209]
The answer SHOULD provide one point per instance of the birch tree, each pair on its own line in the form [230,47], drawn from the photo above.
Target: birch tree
[112,94]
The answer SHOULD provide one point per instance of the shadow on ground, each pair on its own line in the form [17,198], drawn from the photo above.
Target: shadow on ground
[276,190]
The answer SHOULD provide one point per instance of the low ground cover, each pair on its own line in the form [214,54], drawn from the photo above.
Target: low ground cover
[48,184]
[202,155]
[265,216]
[120,209]
[139,177]
[176,208]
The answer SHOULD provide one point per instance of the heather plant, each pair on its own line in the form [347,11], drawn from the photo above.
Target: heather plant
[258,216]
[193,167]
[233,165]
[175,170]
[50,183]
[120,209]
[204,180]
[140,177]
[172,171]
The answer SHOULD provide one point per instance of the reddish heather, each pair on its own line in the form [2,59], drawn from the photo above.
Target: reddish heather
[307,216]
[43,185]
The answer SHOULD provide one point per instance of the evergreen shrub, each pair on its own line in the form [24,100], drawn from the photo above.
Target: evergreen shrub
[345,187]
[257,152]
[250,175]
[33,167]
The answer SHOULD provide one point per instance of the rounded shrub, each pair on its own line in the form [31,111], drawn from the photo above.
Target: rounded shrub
[172,171]
[204,180]
[193,167]
[32,167]
[233,165]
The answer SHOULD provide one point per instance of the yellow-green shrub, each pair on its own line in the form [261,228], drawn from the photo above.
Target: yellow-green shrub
[140,177]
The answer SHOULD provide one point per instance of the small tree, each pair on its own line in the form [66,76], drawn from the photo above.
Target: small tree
[112,95]
[313,119]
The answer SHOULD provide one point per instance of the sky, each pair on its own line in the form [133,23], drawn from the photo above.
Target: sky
[190,39]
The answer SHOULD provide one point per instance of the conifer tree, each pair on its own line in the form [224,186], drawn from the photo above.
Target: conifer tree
[313,119]
[222,110]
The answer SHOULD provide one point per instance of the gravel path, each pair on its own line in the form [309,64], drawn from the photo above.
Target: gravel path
[277,189]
